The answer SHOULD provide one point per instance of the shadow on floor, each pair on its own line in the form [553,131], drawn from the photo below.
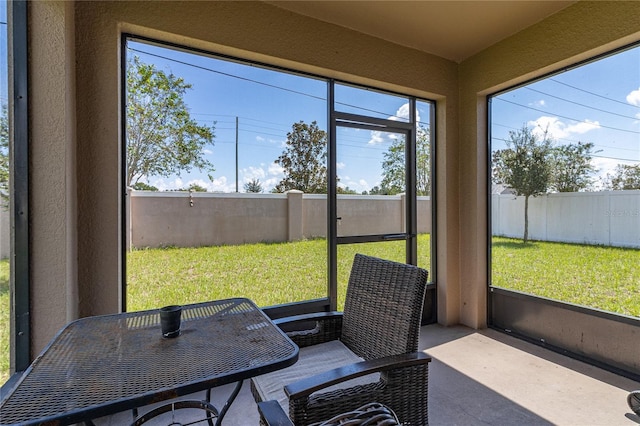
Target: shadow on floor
[484,377]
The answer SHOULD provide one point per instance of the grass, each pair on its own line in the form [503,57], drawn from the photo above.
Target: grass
[606,278]
[4,320]
[269,274]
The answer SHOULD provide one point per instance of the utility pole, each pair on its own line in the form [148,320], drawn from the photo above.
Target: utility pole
[236,153]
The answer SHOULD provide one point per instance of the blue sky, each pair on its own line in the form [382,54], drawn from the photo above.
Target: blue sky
[598,103]
[267,103]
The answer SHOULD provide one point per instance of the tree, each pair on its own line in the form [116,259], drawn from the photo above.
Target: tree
[626,176]
[304,160]
[4,156]
[162,138]
[572,167]
[253,186]
[376,190]
[393,166]
[423,161]
[194,187]
[524,166]
[345,190]
[141,186]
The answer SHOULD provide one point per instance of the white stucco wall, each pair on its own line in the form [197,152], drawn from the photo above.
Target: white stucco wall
[182,219]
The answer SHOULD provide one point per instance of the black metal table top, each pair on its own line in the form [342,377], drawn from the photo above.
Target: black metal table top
[100,365]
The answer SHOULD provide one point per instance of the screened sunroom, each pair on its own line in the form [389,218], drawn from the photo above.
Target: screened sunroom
[417,111]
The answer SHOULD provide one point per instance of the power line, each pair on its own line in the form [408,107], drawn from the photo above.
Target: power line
[247,127]
[579,104]
[568,118]
[387,114]
[615,158]
[592,155]
[242,117]
[230,75]
[571,140]
[262,127]
[594,94]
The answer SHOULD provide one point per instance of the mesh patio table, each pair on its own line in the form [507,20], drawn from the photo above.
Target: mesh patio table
[100,365]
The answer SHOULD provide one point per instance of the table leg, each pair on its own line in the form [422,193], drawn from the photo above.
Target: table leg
[207,406]
[209,409]
[230,400]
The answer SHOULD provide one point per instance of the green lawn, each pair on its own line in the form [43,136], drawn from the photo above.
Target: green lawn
[269,274]
[604,278]
[4,320]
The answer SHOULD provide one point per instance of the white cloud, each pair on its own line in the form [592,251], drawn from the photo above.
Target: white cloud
[251,172]
[340,165]
[561,130]
[275,170]
[220,184]
[208,151]
[164,185]
[356,185]
[634,97]
[268,178]
[539,103]
[402,114]
[377,138]
[603,167]
[260,139]
[583,127]
[271,182]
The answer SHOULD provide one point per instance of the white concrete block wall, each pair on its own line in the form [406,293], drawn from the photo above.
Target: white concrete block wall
[5,233]
[199,219]
[167,218]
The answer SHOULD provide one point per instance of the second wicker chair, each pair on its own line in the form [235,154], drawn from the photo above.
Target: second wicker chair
[367,353]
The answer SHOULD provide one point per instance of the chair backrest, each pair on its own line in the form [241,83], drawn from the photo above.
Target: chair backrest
[383,307]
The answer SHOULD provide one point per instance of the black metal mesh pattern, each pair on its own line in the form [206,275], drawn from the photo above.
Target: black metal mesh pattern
[99,360]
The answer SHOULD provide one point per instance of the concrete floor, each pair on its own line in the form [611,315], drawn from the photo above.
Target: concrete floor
[488,378]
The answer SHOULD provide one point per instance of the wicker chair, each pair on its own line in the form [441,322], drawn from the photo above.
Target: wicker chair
[368,353]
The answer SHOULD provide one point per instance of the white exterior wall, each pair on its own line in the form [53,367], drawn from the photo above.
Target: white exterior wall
[5,233]
[610,218]
[180,219]
[159,219]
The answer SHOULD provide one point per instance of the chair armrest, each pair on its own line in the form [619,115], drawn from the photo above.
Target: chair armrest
[307,386]
[271,414]
[314,316]
[320,327]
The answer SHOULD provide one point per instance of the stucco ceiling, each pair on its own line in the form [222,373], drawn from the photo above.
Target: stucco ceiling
[454,30]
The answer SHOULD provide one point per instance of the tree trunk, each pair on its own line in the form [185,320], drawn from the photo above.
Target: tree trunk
[526,219]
